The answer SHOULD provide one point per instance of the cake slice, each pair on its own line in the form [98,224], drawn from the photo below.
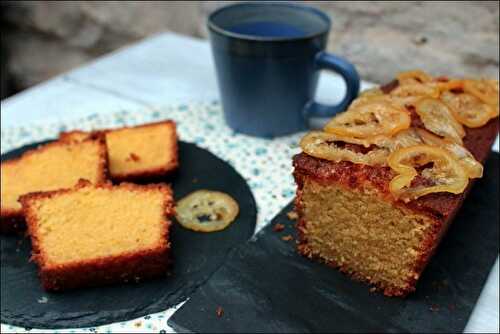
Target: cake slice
[139,152]
[52,166]
[99,234]
[349,214]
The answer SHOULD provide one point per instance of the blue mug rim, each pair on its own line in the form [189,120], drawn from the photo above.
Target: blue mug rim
[215,28]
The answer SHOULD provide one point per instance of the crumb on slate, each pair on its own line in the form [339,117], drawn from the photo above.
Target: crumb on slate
[292,215]
[278,227]
[219,312]
[43,300]
[287,238]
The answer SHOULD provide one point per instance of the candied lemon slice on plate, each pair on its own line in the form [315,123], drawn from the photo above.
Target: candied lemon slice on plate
[440,170]
[206,211]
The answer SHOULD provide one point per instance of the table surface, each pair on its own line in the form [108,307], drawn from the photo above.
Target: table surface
[167,68]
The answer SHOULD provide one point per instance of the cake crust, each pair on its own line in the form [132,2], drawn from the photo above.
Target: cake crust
[127,267]
[12,220]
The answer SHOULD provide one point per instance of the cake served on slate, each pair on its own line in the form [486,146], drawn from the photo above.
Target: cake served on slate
[52,166]
[139,152]
[378,188]
[99,234]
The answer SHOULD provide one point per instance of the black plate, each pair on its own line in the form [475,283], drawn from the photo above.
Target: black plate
[196,257]
[265,286]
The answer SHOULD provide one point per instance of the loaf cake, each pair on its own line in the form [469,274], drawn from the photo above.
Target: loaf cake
[136,153]
[99,234]
[379,187]
[52,166]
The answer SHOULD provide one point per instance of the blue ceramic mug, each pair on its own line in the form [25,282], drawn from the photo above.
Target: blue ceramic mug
[268,57]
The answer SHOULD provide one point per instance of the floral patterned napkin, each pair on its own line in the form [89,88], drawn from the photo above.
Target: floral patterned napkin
[265,164]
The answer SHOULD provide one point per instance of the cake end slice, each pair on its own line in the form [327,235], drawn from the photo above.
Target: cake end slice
[99,234]
[363,234]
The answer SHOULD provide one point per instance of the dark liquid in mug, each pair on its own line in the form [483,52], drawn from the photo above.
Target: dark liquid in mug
[267,29]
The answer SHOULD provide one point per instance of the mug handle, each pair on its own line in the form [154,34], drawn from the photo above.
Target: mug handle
[326,61]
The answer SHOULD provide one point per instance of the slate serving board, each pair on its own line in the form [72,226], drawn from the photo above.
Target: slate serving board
[196,257]
[265,286]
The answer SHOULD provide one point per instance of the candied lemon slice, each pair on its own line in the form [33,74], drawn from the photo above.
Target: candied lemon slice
[372,118]
[417,89]
[483,90]
[369,97]
[468,109]
[473,168]
[439,169]
[372,92]
[405,138]
[365,142]
[412,77]
[438,119]
[451,85]
[206,211]
[326,146]
[493,83]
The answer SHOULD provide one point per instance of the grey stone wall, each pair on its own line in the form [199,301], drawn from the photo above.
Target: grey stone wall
[44,38]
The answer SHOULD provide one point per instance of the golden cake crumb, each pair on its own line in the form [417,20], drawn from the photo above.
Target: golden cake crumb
[93,235]
[278,227]
[292,215]
[143,151]
[219,312]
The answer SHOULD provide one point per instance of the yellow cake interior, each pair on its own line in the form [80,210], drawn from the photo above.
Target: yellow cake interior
[99,222]
[54,167]
[363,233]
[140,148]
